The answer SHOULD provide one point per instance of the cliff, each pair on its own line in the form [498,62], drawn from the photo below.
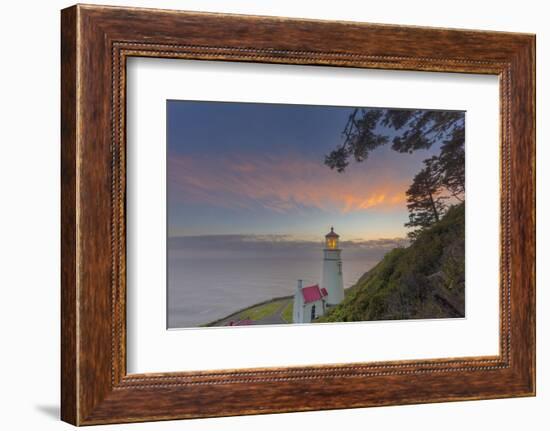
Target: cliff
[423,280]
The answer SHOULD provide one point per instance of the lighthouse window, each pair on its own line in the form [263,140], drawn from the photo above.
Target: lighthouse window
[332,244]
[313,312]
[339,267]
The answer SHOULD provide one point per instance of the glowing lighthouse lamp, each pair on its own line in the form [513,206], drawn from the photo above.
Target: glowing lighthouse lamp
[332,279]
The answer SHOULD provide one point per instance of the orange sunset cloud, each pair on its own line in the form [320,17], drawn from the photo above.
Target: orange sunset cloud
[283,184]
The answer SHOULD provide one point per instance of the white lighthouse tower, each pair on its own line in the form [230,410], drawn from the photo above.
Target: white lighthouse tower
[332,279]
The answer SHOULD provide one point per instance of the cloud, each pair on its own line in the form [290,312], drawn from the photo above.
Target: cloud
[283,184]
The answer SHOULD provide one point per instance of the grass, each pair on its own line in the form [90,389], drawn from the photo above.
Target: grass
[287,312]
[260,311]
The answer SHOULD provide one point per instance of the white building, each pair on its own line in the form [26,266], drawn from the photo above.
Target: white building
[309,303]
[313,301]
[332,279]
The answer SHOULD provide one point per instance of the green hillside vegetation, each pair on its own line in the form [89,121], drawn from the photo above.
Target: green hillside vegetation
[260,311]
[287,312]
[423,280]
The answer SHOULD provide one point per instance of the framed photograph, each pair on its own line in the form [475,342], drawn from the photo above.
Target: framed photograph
[329,214]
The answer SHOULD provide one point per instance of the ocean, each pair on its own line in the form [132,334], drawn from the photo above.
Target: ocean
[206,289]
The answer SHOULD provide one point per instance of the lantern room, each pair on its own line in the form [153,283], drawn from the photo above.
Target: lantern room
[331,240]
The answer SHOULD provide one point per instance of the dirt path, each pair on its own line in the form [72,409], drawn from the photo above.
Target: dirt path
[276,318]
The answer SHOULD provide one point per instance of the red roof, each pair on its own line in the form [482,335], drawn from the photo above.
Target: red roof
[243,322]
[313,293]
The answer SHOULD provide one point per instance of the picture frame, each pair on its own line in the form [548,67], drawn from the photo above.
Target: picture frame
[96,42]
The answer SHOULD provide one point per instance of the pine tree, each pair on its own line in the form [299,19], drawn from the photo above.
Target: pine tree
[425,201]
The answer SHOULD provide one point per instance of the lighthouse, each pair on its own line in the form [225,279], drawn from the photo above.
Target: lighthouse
[332,279]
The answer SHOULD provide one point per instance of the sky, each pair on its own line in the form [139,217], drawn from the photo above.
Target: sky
[256,172]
